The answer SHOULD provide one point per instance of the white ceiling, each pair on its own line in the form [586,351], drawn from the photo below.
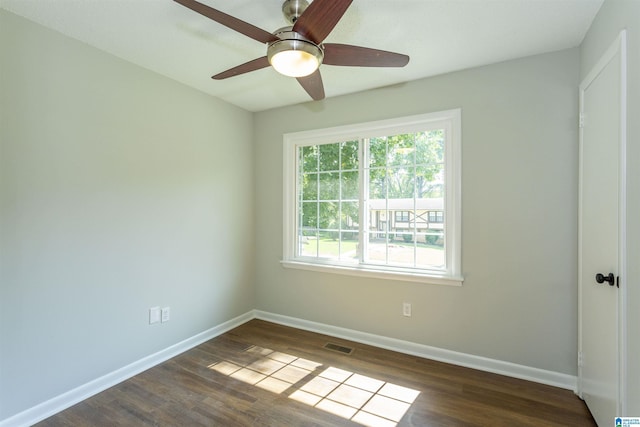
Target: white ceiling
[440,36]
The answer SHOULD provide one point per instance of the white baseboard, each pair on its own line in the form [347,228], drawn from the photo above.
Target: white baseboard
[509,369]
[70,398]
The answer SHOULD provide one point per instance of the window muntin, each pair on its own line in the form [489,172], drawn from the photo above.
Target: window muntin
[377,197]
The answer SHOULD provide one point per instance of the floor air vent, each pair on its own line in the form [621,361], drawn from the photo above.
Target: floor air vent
[339,348]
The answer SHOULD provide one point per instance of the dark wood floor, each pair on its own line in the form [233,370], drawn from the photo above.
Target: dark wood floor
[263,374]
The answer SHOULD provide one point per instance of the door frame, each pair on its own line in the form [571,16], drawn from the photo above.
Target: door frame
[619,46]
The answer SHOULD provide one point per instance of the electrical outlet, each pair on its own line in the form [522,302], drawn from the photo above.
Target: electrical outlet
[166,314]
[154,315]
[406,309]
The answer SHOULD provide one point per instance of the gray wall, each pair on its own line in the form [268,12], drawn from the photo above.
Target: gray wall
[614,16]
[119,190]
[519,256]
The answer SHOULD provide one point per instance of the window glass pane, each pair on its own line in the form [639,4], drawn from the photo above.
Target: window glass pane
[430,250]
[430,147]
[328,244]
[349,246]
[401,150]
[350,214]
[349,155]
[329,217]
[420,218]
[402,252]
[309,186]
[401,182]
[309,217]
[430,180]
[329,157]
[329,186]
[377,183]
[377,215]
[350,186]
[309,244]
[377,248]
[309,158]
[377,152]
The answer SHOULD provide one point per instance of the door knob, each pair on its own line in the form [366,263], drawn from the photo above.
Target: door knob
[601,278]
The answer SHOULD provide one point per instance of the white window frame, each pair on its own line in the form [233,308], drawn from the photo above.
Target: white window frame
[453,195]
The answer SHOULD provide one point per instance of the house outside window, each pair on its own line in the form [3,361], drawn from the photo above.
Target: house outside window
[379,199]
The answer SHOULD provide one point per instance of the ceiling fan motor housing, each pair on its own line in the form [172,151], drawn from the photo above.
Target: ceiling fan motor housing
[290,42]
[292,9]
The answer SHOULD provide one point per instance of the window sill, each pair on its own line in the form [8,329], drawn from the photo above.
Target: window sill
[377,273]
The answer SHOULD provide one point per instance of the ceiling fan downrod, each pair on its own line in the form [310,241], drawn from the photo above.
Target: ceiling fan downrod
[292,9]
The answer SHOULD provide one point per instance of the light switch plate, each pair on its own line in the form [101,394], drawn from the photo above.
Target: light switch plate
[154,315]
[166,314]
[406,309]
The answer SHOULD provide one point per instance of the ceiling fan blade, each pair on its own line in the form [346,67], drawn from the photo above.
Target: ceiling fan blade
[313,85]
[319,18]
[229,21]
[256,64]
[357,56]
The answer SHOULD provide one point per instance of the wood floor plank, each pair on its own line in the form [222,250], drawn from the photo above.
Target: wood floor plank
[263,374]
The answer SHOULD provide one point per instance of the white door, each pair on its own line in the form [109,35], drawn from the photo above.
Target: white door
[601,226]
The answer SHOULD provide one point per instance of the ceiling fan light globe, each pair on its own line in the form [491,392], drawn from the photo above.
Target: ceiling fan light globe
[294,58]
[294,63]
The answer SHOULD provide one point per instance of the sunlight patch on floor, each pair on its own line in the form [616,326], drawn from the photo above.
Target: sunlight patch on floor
[362,399]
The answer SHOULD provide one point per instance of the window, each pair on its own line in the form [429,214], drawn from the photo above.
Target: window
[436,216]
[402,216]
[379,199]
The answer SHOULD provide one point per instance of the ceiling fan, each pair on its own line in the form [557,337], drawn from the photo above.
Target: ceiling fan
[297,50]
